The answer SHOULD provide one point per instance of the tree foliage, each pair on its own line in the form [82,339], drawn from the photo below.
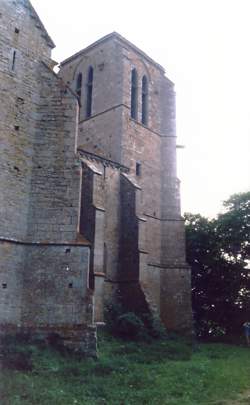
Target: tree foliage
[218,251]
[234,227]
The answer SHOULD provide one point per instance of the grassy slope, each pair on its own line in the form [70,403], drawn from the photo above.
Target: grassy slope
[131,373]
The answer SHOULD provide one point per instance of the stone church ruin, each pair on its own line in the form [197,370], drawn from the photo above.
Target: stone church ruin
[89,199]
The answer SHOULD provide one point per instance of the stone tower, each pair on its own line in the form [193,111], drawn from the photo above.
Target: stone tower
[130,206]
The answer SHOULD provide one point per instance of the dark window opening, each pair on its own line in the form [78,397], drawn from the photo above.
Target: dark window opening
[4,285]
[79,86]
[138,169]
[13,61]
[70,285]
[16,30]
[89,92]
[16,127]
[144,115]
[134,90]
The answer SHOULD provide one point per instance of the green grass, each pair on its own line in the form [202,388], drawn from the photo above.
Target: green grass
[131,373]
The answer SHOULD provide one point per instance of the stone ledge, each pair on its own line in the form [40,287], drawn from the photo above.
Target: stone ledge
[80,242]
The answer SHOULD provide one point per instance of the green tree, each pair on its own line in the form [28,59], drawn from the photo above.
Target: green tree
[218,253]
[233,228]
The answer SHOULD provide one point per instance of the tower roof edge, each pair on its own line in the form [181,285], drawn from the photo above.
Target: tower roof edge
[113,36]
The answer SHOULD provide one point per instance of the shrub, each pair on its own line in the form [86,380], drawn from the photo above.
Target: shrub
[129,325]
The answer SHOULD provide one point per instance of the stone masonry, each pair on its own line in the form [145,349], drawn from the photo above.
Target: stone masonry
[89,202]
[44,261]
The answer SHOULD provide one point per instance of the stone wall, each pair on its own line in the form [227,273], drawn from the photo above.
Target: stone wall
[55,182]
[12,264]
[22,44]
[44,271]
[55,286]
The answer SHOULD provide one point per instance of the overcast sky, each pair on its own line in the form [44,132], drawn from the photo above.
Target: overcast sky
[204,46]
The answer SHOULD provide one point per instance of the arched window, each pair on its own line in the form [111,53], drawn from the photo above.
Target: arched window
[79,85]
[134,90]
[89,91]
[144,101]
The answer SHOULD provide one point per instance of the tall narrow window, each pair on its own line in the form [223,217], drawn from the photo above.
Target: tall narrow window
[144,101]
[134,90]
[138,169]
[89,92]
[13,62]
[79,86]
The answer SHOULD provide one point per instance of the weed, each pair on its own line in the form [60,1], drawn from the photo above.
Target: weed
[130,373]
